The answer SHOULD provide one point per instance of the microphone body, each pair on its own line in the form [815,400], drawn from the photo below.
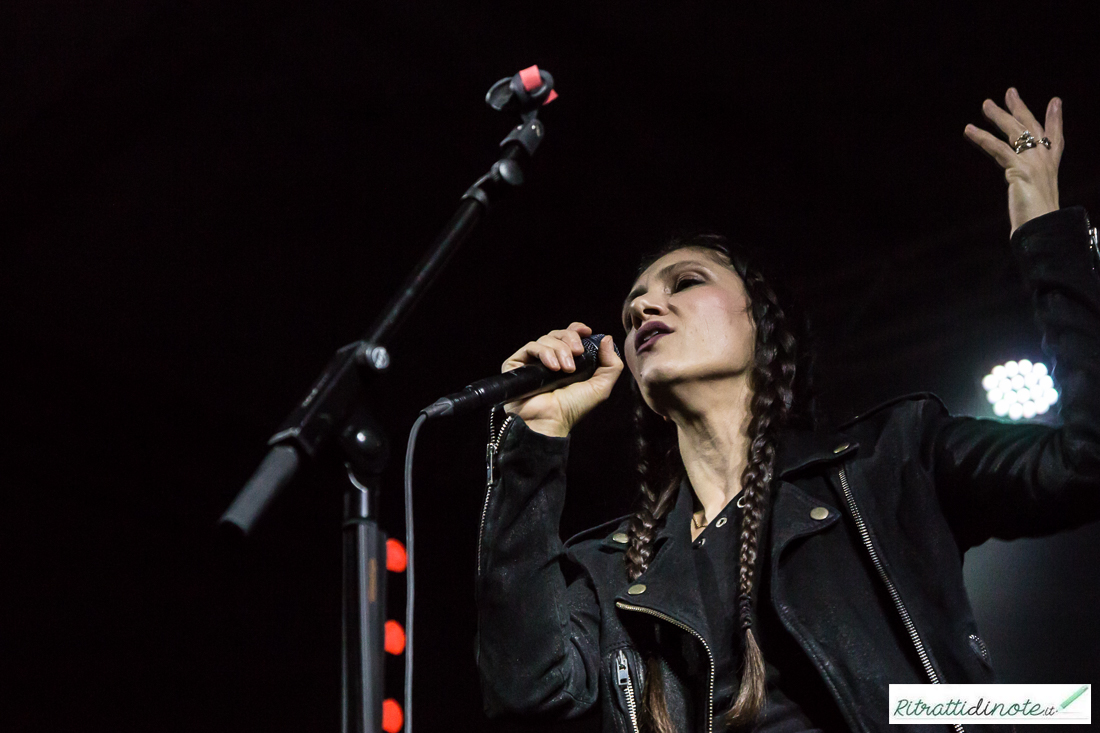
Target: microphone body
[518,383]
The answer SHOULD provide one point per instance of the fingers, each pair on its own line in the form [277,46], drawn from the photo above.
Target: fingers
[562,348]
[1022,114]
[997,148]
[529,353]
[1009,125]
[572,336]
[1012,123]
[1054,125]
[555,350]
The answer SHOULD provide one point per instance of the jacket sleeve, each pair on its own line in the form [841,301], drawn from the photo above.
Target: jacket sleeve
[1013,480]
[538,617]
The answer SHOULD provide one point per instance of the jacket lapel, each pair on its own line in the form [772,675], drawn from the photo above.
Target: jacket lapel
[802,449]
[797,514]
[669,586]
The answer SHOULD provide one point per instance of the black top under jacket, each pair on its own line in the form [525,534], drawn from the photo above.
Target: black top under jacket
[867,527]
[797,701]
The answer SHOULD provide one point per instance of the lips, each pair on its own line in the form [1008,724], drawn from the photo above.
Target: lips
[648,334]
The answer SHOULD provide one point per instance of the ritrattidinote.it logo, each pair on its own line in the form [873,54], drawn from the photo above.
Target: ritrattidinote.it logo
[1019,704]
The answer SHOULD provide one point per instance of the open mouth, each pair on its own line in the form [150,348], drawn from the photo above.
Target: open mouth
[648,334]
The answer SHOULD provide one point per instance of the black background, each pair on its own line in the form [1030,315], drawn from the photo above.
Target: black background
[201,200]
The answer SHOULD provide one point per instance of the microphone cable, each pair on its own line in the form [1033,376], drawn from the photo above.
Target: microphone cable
[409,565]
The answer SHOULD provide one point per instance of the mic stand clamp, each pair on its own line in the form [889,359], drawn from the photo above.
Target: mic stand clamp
[372,356]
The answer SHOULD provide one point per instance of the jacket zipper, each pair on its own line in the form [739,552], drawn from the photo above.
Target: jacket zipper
[906,619]
[628,690]
[697,635]
[982,649]
[490,469]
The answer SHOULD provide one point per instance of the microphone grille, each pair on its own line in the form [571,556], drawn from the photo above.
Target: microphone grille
[592,345]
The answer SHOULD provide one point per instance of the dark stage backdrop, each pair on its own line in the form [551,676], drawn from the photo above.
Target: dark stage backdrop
[201,200]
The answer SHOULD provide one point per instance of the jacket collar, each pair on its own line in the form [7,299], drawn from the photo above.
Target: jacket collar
[666,582]
[669,588]
[800,449]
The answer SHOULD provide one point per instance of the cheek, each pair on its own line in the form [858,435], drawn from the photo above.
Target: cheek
[742,332]
[630,361]
[733,336]
[725,323]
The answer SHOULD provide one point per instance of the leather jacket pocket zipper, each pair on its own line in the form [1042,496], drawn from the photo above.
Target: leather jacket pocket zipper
[626,688]
[979,647]
[491,450]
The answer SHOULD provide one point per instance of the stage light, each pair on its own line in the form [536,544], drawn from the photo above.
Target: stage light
[1019,390]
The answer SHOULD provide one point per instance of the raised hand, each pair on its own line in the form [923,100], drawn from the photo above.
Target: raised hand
[555,413]
[1032,173]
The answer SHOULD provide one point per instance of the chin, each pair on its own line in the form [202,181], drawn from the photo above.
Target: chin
[656,378]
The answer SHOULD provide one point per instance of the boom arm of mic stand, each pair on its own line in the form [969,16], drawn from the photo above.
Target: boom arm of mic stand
[335,392]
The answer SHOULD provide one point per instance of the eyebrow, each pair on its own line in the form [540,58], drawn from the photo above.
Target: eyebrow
[660,273]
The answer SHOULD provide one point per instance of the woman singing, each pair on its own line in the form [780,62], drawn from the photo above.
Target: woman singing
[777,575]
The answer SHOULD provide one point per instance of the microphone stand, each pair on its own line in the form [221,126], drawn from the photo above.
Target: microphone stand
[333,407]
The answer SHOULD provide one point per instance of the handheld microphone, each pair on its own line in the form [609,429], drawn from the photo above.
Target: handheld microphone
[523,382]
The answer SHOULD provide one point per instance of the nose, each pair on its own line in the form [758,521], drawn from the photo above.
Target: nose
[646,306]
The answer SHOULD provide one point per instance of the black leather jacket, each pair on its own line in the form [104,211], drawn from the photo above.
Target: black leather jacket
[871,588]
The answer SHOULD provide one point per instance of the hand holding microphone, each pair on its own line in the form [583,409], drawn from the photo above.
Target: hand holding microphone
[556,412]
[551,383]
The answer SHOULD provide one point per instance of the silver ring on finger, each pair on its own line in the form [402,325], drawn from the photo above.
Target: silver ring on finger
[1026,141]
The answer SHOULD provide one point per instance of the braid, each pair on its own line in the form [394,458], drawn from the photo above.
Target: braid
[772,380]
[659,472]
[780,384]
[657,451]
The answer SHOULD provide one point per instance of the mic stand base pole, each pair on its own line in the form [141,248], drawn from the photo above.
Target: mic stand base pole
[364,608]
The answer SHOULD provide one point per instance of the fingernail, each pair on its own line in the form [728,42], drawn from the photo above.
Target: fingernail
[1057,103]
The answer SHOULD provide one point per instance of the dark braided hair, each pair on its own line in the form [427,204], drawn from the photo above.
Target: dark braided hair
[779,380]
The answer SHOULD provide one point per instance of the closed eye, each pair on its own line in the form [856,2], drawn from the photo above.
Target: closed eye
[686,282]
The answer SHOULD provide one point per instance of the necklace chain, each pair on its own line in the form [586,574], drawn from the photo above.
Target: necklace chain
[696,522]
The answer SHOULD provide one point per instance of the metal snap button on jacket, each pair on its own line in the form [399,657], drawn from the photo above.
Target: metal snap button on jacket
[720,522]
[620,537]
[636,589]
[819,513]
[841,447]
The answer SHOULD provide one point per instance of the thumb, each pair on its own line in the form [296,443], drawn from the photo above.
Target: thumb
[608,354]
[606,374]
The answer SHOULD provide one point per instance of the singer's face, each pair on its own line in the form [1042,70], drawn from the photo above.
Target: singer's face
[695,321]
